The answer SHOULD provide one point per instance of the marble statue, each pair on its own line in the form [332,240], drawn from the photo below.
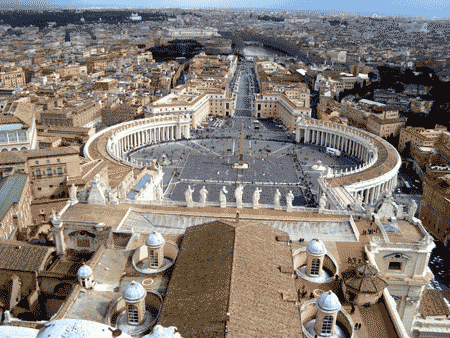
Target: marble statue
[276,200]
[73,194]
[159,193]
[188,196]
[256,197]
[238,194]
[113,197]
[322,201]
[203,195]
[412,208]
[223,197]
[289,199]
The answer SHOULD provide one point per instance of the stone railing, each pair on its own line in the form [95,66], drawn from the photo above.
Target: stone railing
[166,202]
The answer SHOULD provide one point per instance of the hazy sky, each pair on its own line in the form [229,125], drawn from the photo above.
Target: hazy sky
[426,8]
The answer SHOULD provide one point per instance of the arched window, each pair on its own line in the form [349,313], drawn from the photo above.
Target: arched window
[23,148]
[14,149]
[327,325]
[315,265]
[49,171]
[38,172]
[153,258]
[133,314]
[4,149]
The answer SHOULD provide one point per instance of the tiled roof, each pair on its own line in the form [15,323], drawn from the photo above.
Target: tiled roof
[364,281]
[20,256]
[387,158]
[224,269]
[10,157]
[196,301]
[11,189]
[433,304]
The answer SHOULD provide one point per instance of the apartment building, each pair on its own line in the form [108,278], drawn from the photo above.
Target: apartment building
[185,99]
[435,206]
[48,169]
[282,95]
[12,78]
[385,121]
[74,114]
[419,137]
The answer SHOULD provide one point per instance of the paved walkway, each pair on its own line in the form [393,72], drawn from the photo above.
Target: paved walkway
[169,224]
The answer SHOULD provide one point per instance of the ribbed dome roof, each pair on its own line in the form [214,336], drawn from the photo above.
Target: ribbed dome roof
[154,240]
[365,279]
[84,271]
[134,292]
[328,302]
[316,247]
[163,332]
[74,328]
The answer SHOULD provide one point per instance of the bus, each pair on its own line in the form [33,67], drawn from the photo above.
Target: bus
[333,151]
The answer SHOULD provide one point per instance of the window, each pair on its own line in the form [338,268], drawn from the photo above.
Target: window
[327,325]
[38,172]
[395,265]
[153,259]
[58,160]
[315,265]
[133,314]
[59,170]
[48,161]
[49,172]
[36,162]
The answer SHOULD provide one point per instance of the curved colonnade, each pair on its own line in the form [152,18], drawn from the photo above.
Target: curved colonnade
[151,130]
[381,161]
[127,136]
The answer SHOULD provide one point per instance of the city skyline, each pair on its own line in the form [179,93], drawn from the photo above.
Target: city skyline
[401,8]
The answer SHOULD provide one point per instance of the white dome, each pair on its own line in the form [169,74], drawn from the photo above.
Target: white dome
[134,292]
[316,248]
[7,331]
[163,332]
[154,240]
[84,271]
[74,328]
[328,302]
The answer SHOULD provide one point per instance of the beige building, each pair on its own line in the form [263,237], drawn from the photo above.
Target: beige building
[48,169]
[184,99]
[74,114]
[12,78]
[435,206]
[419,137]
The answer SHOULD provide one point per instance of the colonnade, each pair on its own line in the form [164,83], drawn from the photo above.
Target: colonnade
[344,143]
[357,143]
[148,136]
[371,195]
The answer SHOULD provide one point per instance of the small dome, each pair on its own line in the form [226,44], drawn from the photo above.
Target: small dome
[328,302]
[134,292]
[154,240]
[316,248]
[84,271]
[163,332]
[74,328]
